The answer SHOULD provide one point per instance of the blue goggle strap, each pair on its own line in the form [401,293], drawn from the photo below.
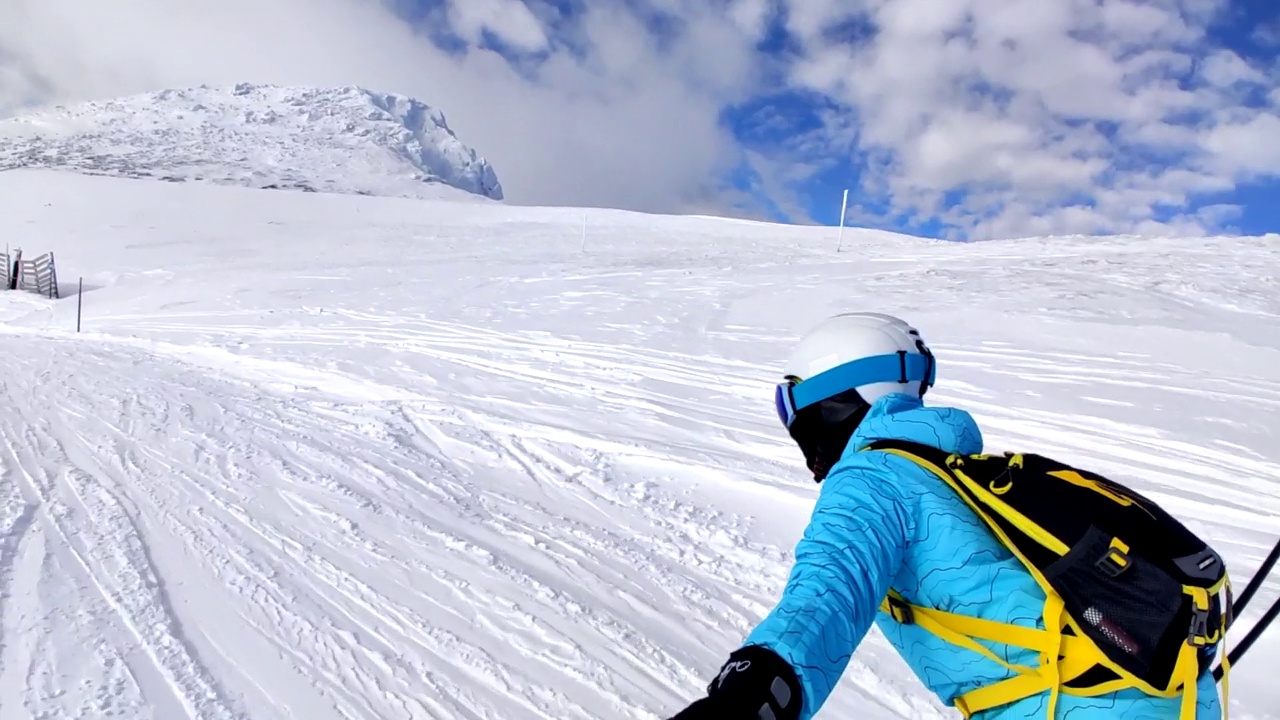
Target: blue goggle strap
[901,367]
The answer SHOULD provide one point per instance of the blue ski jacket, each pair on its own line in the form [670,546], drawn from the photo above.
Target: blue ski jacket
[881,521]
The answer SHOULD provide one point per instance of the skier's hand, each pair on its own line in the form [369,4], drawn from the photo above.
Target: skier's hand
[755,684]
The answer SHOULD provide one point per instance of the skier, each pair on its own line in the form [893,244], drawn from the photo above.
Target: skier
[884,523]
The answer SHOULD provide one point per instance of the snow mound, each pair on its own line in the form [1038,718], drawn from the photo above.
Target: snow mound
[337,140]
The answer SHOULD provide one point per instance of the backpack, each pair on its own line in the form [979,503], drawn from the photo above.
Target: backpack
[1133,598]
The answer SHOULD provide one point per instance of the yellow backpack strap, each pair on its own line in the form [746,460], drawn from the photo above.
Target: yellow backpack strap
[1042,641]
[1031,682]
[1190,677]
[1226,658]
[936,622]
[1226,686]
[1062,657]
[1188,666]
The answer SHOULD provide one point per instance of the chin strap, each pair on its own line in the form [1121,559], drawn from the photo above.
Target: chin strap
[819,470]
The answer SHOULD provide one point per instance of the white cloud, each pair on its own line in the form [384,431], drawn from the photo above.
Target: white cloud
[1136,23]
[1268,34]
[1218,215]
[510,20]
[751,16]
[1225,68]
[1249,146]
[811,17]
[1026,107]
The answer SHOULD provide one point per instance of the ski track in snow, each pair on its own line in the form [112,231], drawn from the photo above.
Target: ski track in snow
[361,558]
[524,487]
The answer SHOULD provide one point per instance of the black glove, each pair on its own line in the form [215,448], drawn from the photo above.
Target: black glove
[755,684]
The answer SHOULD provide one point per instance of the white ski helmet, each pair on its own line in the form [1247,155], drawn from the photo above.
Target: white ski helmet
[872,353]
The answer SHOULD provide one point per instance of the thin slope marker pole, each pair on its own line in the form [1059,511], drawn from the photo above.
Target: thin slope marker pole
[844,204]
[79,303]
[584,232]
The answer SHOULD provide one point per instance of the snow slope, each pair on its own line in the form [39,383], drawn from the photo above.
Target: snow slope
[337,140]
[341,457]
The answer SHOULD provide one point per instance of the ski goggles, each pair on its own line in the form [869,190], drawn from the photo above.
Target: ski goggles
[792,396]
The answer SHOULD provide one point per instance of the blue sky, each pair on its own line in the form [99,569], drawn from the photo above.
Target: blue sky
[1235,29]
[963,119]
[1184,92]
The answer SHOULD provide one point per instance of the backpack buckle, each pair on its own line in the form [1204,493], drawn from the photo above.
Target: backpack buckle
[1114,562]
[1198,635]
[900,611]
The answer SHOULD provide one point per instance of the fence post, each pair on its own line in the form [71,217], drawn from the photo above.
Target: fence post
[79,303]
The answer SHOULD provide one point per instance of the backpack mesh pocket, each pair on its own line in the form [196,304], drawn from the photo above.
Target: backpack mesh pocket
[1129,610]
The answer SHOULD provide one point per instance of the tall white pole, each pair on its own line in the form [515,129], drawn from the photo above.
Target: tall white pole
[584,232]
[844,203]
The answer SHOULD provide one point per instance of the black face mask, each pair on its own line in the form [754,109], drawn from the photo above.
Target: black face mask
[822,430]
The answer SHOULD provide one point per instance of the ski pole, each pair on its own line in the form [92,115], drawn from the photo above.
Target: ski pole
[1256,581]
[1241,602]
[1255,632]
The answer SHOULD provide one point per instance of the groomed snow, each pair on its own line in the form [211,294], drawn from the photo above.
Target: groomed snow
[342,457]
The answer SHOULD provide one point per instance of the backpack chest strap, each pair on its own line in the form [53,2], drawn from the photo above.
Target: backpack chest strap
[1062,658]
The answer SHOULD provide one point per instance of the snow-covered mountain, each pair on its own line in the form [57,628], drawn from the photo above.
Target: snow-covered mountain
[341,140]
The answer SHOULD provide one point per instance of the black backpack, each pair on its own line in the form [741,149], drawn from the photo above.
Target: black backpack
[1142,596]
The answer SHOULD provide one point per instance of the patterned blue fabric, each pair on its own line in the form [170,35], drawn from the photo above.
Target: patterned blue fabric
[882,521]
